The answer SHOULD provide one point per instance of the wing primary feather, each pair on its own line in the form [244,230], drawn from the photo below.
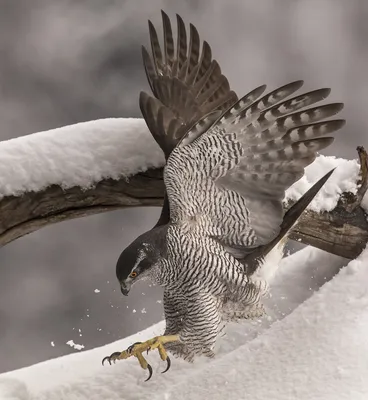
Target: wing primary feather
[270,99]
[290,218]
[151,72]
[150,121]
[156,49]
[299,134]
[270,115]
[206,59]
[201,84]
[194,49]
[300,149]
[152,112]
[230,114]
[223,103]
[283,124]
[203,64]
[168,41]
[212,90]
[213,74]
[298,102]
[182,45]
[312,131]
[201,68]
[310,115]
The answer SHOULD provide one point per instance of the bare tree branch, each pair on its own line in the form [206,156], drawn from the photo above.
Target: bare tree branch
[33,210]
[343,231]
[338,232]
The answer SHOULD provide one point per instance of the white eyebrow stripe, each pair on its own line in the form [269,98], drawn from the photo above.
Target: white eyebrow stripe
[140,257]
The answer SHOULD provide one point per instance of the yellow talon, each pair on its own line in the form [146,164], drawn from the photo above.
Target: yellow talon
[137,349]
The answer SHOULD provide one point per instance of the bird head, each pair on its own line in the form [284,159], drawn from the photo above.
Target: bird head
[136,262]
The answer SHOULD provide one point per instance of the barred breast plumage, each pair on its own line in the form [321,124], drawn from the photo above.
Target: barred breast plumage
[204,287]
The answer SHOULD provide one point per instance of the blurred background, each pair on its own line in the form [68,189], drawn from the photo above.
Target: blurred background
[68,61]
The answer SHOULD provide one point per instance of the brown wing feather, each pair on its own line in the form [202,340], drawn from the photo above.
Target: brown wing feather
[187,81]
[187,84]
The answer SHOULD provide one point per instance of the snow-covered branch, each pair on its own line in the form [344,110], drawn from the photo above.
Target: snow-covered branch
[104,165]
[20,215]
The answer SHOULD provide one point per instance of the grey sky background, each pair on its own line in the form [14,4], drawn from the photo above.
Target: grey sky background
[67,61]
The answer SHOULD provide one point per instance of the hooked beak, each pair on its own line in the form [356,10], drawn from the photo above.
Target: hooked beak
[125,288]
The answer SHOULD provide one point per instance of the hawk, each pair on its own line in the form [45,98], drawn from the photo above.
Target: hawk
[228,164]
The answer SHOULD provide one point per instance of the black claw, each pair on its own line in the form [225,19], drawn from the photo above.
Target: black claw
[150,372]
[131,347]
[111,357]
[106,359]
[168,365]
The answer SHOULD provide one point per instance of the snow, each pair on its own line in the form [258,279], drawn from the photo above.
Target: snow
[318,352]
[342,180]
[313,345]
[77,155]
[75,345]
[84,153]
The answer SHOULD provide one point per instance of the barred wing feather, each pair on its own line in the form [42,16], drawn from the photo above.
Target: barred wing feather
[227,177]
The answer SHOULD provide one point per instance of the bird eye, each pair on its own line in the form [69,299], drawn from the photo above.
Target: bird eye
[133,274]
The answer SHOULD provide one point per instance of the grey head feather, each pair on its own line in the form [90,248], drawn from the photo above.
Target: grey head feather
[142,253]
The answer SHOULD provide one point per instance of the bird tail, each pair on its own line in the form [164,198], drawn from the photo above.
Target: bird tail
[290,218]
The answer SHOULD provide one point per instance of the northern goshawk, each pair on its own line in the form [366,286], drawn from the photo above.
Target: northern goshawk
[228,164]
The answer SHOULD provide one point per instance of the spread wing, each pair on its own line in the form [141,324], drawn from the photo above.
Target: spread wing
[187,84]
[227,177]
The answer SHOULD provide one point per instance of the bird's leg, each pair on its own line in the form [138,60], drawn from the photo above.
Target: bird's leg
[137,349]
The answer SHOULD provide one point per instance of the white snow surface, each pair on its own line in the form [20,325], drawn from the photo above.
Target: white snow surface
[77,155]
[84,153]
[342,180]
[75,345]
[313,345]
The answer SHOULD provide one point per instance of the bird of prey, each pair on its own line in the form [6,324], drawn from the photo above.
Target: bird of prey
[228,164]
